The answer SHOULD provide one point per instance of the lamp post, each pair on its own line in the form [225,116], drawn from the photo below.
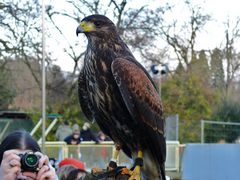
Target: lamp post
[157,71]
[43,79]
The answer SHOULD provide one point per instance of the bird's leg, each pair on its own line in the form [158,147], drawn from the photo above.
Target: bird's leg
[113,163]
[136,173]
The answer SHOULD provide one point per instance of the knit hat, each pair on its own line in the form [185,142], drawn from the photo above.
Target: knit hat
[75,127]
[72,162]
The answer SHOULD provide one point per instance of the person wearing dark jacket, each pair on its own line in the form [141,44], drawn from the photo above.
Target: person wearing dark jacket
[86,134]
[75,137]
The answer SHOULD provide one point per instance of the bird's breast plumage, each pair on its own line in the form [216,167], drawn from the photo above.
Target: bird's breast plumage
[103,90]
[104,93]
[101,84]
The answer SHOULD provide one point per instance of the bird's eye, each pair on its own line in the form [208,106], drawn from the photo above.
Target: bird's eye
[97,23]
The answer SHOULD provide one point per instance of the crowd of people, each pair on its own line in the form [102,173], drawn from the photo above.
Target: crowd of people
[75,135]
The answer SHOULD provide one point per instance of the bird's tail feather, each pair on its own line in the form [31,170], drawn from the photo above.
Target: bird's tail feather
[151,169]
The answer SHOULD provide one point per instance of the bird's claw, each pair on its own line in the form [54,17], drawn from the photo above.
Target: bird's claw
[135,175]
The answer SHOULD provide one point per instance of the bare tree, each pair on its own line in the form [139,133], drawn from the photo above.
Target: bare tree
[138,27]
[20,41]
[20,27]
[183,40]
[230,53]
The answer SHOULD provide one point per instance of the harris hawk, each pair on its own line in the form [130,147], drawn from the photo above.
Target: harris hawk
[118,93]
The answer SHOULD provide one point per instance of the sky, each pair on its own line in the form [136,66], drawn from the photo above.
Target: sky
[212,36]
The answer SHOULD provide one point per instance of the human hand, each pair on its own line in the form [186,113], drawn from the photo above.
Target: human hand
[10,165]
[46,171]
[10,168]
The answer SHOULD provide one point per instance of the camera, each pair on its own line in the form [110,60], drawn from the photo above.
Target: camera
[29,162]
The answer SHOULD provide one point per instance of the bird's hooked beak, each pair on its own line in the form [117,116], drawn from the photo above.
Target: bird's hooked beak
[79,30]
[85,27]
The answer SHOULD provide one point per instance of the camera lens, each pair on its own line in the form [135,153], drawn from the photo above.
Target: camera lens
[29,162]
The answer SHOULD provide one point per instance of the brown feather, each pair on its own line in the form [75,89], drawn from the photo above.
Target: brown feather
[139,84]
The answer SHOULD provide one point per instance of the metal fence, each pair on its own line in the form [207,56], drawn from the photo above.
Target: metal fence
[99,155]
[219,131]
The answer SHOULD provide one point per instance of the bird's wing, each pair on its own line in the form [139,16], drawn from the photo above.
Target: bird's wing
[84,101]
[139,93]
[144,105]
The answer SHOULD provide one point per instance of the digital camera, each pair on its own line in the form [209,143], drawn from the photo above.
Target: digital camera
[29,162]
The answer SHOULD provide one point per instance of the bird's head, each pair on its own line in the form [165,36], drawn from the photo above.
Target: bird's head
[96,25]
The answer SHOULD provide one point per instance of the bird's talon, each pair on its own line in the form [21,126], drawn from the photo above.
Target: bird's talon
[135,174]
[135,177]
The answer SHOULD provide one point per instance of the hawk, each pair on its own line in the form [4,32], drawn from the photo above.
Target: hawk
[118,93]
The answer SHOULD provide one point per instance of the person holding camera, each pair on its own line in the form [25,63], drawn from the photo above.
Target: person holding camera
[21,159]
